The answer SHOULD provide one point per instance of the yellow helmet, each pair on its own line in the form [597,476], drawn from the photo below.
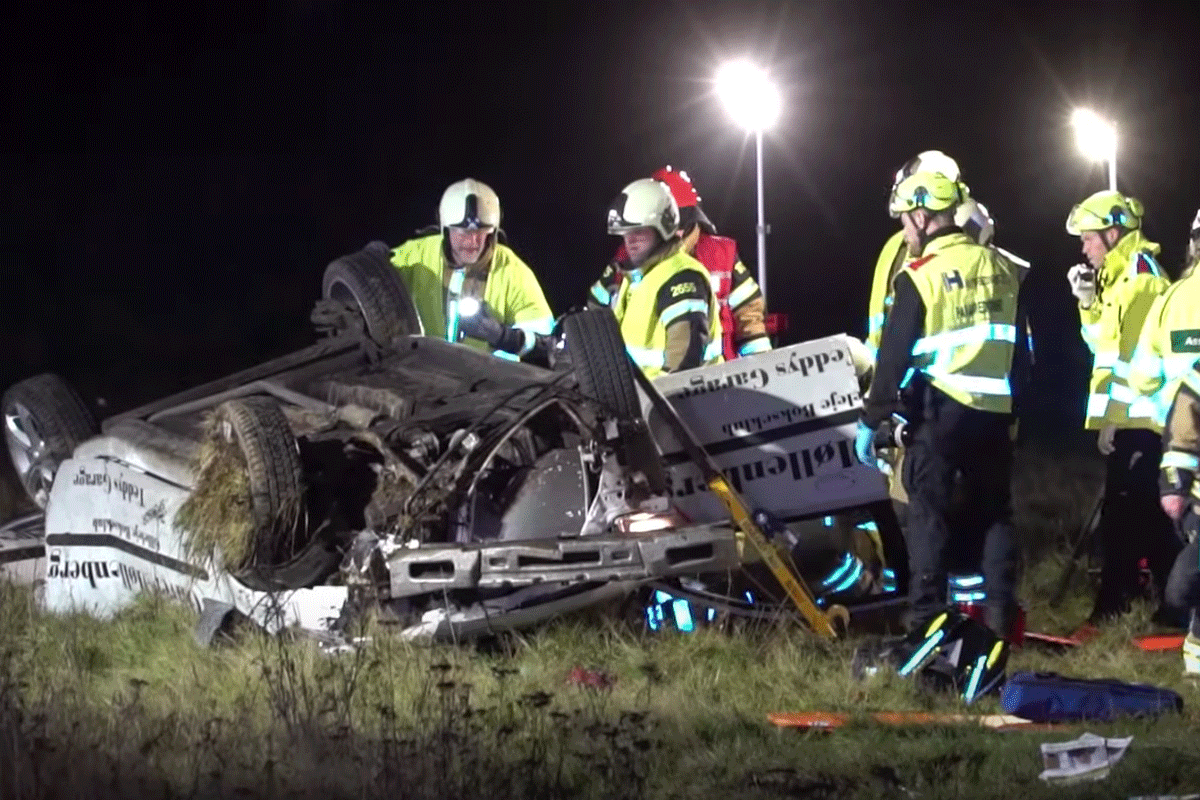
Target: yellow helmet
[1105,210]
[931,190]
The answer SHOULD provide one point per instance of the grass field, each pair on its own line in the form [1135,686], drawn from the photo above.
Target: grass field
[134,706]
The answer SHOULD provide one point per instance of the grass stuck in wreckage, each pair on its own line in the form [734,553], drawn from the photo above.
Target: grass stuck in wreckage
[132,706]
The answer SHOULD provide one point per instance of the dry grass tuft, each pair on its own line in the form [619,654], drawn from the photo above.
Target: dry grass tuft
[218,516]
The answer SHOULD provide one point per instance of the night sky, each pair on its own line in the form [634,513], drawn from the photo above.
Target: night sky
[177,177]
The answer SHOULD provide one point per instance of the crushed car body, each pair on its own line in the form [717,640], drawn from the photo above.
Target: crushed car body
[447,490]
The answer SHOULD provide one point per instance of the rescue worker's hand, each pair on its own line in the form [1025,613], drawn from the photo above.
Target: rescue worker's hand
[1105,440]
[481,323]
[1083,284]
[864,444]
[1174,505]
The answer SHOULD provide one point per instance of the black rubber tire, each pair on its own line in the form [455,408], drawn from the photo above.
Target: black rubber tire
[62,421]
[368,279]
[601,363]
[283,555]
[605,374]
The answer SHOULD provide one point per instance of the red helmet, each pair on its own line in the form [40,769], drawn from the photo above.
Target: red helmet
[680,185]
[686,197]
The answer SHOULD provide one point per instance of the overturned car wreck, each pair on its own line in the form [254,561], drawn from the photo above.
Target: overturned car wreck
[447,490]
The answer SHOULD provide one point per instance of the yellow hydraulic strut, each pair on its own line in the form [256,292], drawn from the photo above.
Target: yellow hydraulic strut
[818,620]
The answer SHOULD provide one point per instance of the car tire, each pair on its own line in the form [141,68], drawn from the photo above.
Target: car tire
[370,281]
[44,421]
[282,555]
[601,363]
[604,372]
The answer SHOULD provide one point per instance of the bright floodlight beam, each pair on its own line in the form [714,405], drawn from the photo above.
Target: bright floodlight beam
[753,101]
[1096,138]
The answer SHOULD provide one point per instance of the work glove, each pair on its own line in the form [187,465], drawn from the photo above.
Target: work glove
[1105,440]
[477,321]
[864,444]
[1083,284]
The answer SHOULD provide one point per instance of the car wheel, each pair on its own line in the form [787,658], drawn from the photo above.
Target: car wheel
[368,280]
[44,420]
[604,372]
[281,554]
[601,362]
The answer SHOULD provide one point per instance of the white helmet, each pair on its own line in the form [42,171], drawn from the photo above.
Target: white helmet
[645,203]
[469,204]
[928,161]
[1196,225]
[976,222]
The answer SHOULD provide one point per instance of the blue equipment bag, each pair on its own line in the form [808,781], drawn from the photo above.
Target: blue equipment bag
[1050,697]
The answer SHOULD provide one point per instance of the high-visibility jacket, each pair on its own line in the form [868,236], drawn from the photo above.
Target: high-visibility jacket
[970,297]
[1126,287]
[649,300]
[1168,346]
[893,255]
[509,288]
[739,298]
[1181,440]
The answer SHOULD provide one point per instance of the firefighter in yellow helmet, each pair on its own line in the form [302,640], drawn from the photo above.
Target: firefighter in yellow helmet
[665,305]
[467,284]
[1180,499]
[949,371]
[1115,291]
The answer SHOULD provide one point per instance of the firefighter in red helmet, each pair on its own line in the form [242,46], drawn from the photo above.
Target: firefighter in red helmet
[740,301]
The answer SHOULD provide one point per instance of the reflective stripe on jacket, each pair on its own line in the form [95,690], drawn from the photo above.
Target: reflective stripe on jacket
[1127,286]
[970,328]
[509,288]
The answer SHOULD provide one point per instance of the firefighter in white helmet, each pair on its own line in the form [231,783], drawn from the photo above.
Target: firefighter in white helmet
[467,284]
[665,305]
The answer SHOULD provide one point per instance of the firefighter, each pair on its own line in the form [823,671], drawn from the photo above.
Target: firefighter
[664,304]
[465,259]
[1193,248]
[948,374]
[1169,342]
[1115,291]
[742,310]
[1180,498]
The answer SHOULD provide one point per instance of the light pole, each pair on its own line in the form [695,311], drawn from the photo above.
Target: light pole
[1096,138]
[753,101]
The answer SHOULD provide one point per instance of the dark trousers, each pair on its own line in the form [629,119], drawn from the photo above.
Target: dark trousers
[954,438]
[1132,524]
[1183,584]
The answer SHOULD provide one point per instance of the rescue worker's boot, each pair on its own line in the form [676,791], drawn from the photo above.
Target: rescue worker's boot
[1191,647]
[1191,655]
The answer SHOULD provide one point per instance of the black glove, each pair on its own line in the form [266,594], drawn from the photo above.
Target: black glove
[481,325]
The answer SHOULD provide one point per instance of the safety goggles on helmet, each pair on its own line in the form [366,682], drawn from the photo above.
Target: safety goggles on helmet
[932,191]
[1105,210]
